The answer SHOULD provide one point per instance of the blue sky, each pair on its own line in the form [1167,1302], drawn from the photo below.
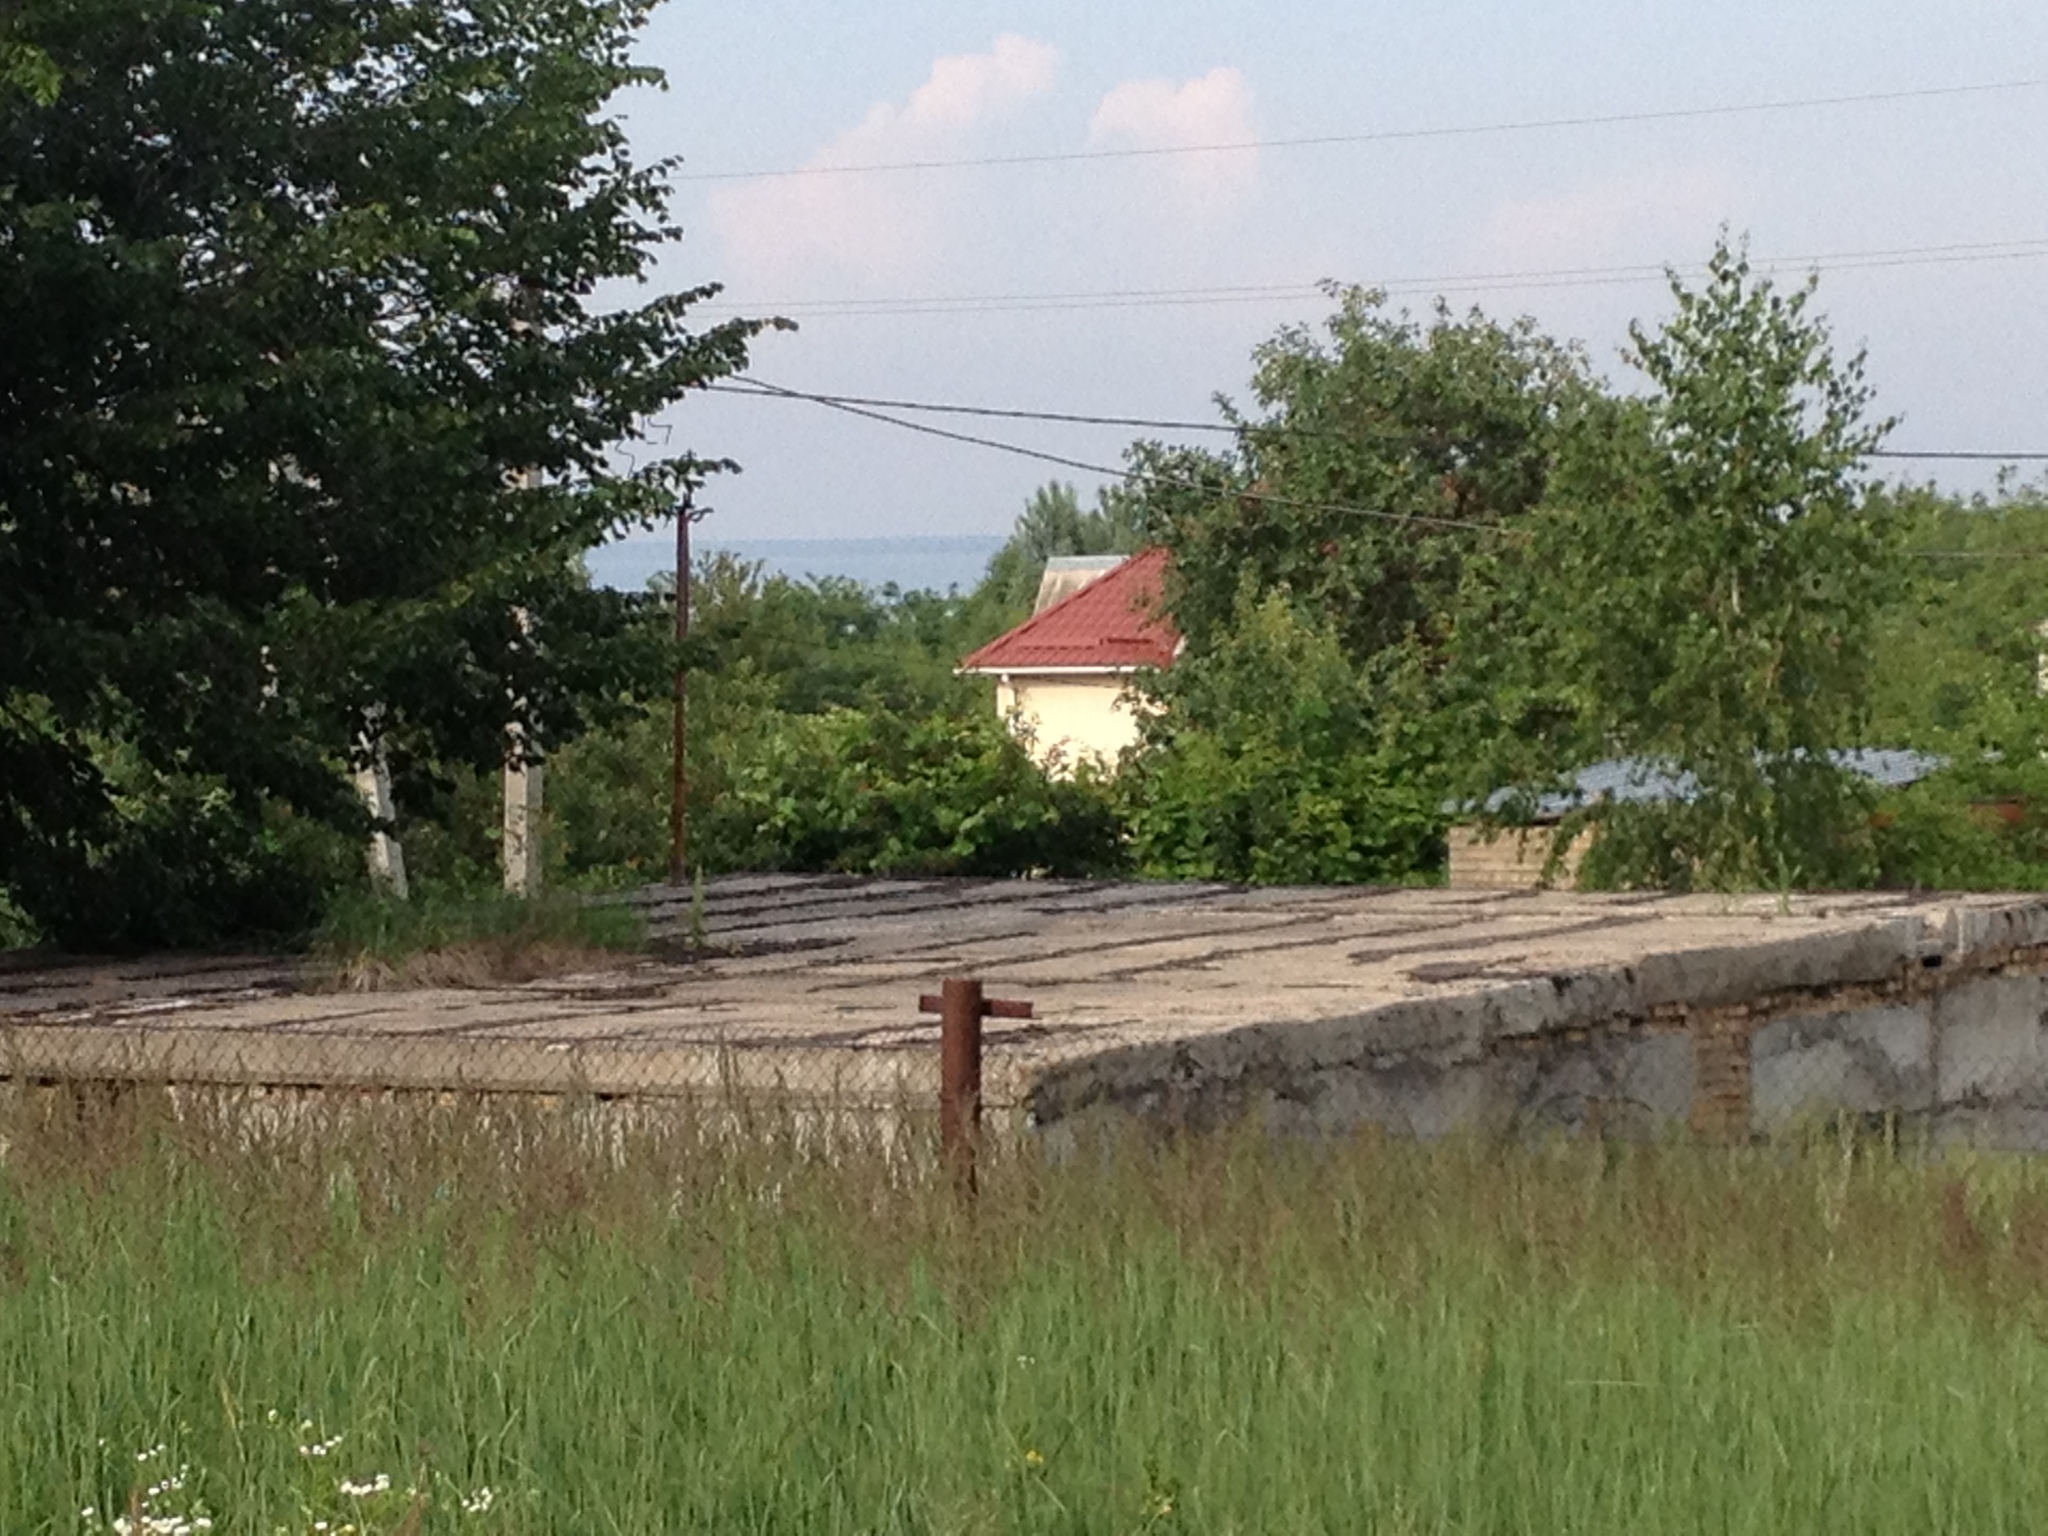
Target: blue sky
[1958,348]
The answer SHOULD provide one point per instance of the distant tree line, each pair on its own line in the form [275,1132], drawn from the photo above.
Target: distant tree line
[307,418]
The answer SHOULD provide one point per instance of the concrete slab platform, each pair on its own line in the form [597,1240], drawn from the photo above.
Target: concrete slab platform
[1315,1008]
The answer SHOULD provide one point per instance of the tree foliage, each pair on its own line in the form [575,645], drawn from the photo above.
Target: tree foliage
[828,731]
[1319,578]
[1384,448]
[1274,762]
[1969,615]
[1702,588]
[308,408]
[1054,524]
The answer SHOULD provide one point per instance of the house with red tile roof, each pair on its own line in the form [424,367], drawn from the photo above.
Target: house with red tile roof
[1063,676]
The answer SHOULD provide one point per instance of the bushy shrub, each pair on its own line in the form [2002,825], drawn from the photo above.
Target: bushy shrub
[1978,825]
[878,791]
[178,862]
[1271,762]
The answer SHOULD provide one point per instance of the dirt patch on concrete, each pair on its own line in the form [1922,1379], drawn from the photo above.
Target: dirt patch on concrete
[477,965]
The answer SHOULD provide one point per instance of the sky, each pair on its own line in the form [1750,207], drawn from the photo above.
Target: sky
[1957,343]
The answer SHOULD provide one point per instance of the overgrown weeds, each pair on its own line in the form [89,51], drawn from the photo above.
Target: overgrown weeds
[449,938]
[731,1317]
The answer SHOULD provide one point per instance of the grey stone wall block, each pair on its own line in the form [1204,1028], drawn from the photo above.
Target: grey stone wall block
[1990,1040]
[1867,1060]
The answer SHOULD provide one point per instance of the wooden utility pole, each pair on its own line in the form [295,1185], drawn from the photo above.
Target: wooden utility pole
[679,781]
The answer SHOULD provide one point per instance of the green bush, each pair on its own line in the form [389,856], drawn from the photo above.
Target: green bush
[827,731]
[178,861]
[1273,763]
[877,791]
[1979,825]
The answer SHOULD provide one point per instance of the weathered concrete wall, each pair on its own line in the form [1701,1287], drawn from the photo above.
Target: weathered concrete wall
[1314,1010]
[1965,1061]
[1937,1025]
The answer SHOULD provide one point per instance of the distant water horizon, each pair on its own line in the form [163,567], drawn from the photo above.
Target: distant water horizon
[930,563]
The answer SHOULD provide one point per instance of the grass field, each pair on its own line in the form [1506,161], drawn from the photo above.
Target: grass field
[451,1320]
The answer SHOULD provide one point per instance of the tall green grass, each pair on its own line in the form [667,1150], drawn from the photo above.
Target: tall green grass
[732,1327]
[454,935]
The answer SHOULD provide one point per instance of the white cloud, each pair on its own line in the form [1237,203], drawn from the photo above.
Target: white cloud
[968,88]
[1215,108]
[1666,215]
[793,229]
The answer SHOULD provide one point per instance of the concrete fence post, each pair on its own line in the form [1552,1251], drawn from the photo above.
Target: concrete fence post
[521,853]
[373,783]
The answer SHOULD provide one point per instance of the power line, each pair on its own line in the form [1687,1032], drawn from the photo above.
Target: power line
[1177,482]
[1974,455]
[1377,136]
[994,412]
[1562,277]
[1168,424]
[1145,477]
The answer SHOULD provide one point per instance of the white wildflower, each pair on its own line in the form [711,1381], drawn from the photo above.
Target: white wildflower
[381,1483]
[477,1503]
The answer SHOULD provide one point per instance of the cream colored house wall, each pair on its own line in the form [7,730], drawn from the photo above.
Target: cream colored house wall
[1067,718]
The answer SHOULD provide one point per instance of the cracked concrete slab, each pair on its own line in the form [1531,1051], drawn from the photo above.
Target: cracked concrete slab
[1317,1009]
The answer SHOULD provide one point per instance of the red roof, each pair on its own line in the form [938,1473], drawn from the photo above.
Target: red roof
[1115,621]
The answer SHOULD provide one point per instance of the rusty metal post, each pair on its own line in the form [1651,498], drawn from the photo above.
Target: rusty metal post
[961,1007]
[960,1014]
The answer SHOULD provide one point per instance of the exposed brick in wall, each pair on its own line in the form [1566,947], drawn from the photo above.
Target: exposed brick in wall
[1512,860]
[1720,1044]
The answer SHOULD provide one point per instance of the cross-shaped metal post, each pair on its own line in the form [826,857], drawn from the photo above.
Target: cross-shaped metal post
[961,1007]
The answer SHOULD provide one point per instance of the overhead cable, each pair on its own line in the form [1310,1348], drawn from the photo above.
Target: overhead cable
[1469,282]
[1142,477]
[1178,482]
[1376,136]
[1169,424]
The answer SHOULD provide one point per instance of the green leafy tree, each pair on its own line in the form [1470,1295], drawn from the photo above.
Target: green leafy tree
[1053,523]
[307,406]
[1969,614]
[1961,651]
[1319,635]
[1445,430]
[1702,591]
[875,790]
[1275,763]
[771,657]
